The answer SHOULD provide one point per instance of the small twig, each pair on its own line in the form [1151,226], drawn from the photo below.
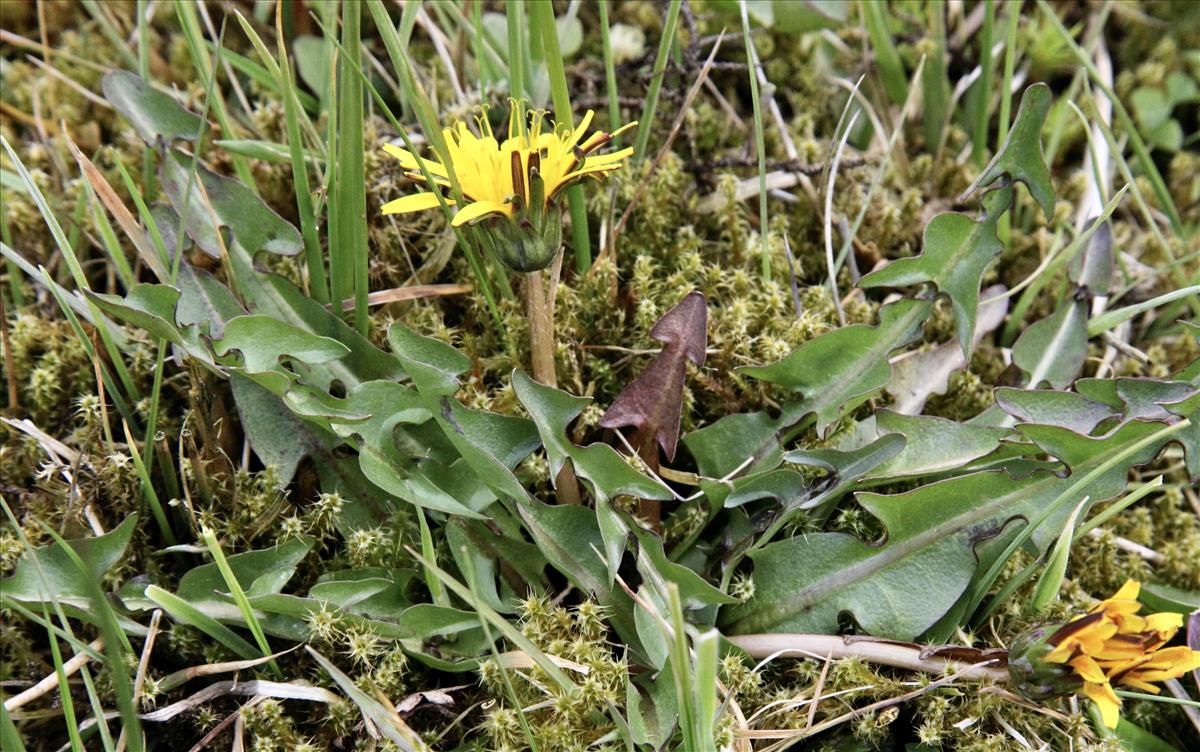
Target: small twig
[731,114]
[58,451]
[439,45]
[224,724]
[782,165]
[89,513]
[1125,348]
[634,453]
[788,736]
[786,177]
[10,367]
[1193,498]
[79,89]
[794,286]
[1177,690]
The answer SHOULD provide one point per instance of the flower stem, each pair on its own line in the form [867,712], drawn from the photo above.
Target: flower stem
[539,308]
[880,652]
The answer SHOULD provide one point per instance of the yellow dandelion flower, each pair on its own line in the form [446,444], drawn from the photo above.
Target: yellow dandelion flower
[1110,646]
[518,179]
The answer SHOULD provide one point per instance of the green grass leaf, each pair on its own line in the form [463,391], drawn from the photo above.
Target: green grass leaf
[891,69]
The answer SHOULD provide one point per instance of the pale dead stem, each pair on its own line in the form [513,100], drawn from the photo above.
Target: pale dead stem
[829,648]
[409,292]
[173,680]
[10,373]
[293,690]
[817,690]
[50,681]
[884,652]
[1128,546]
[139,680]
[828,219]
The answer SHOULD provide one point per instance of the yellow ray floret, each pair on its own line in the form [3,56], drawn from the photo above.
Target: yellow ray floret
[1113,645]
[497,178]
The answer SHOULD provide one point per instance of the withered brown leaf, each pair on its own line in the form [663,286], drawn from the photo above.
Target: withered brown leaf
[651,402]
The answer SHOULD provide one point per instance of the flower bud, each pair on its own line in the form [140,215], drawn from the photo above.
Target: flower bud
[1034,677]
[522,245]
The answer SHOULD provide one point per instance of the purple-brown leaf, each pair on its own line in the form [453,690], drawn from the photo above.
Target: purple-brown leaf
[651,402]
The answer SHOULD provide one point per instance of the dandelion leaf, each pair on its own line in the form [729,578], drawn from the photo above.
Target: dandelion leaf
[48,573]
[837,371]
[1056,408]
[957,251]
[605,470]
[250,222]
[937,540]
[1053,350]
[651,403]
[1020,158]
[154,114]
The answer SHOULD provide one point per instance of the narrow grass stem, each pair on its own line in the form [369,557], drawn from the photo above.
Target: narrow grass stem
[542,14]
[417,98]
[983,87]
[760,144]
[610,70]
[1161,193]
[348,202]
[646,122]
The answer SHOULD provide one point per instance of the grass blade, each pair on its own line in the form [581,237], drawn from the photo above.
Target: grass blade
[1118,316]
[935,87]
[760,144]
[385,719]
[514,17]
[983,87]
[610,69]
[646,121]
[64,693]
[416,98]
[239,595]
[348,199]
[542,15]
[185,613]
[116,644]
[190,24]
[281,71]
[1159,186]
[10,738]
[891,69]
